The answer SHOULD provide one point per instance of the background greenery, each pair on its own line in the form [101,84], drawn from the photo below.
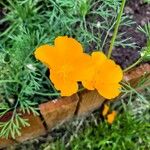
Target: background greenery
[24,84]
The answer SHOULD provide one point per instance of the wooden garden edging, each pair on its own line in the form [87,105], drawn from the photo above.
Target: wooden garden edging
[58,111]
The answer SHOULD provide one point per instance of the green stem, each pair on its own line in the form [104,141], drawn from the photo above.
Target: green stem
[133,65]
[10,81]
[84,24]
[47,94]
[116,28]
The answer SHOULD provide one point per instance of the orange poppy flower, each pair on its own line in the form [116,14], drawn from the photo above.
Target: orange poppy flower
[97,59]
[105,110]
[67,63]
[105,76]
[111,117]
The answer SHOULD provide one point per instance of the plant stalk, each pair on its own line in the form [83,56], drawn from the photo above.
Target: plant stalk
[133,65]
[116,28]
[47,94]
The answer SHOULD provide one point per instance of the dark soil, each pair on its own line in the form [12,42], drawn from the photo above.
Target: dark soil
[140,13]
[1,16]
[3,26]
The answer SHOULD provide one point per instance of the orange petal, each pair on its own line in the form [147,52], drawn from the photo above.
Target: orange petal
[69,88]
[98,59]
[108,91]
[65,85]
[68,47]
[48,55]
[105,110]
[82,67]
[110,72]
[88,85]
[111,117]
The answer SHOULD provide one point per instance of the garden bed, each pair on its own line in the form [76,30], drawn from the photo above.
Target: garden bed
[58,111]
[55,112]
[140,13]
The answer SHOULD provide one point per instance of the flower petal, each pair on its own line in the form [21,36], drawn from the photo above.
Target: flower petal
[108,91]
[82,67]
[68,47]
[69,88]
[111,117]
[88,84]
[98,59]
[47,55]
[110,72]
[105,110]
[65,85]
